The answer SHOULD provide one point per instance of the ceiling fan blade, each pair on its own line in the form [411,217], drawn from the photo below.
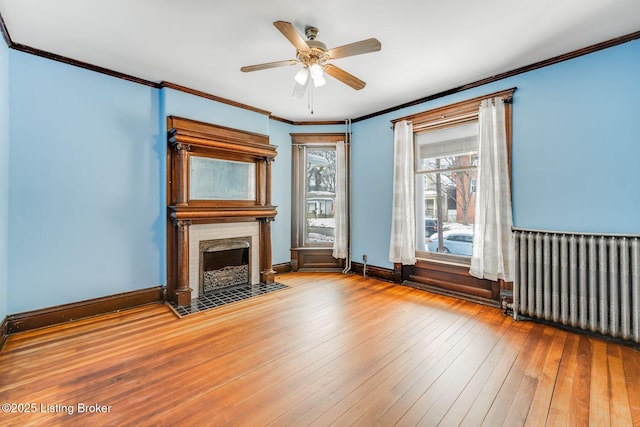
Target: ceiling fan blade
[357,48]
[289,31]
[268,65]
[344,77]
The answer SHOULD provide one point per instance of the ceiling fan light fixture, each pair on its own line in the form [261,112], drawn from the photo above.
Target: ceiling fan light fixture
[316,70]
[319,81]
[299,90]
[302,76]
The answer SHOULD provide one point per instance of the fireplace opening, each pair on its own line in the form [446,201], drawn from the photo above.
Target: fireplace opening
[224,263]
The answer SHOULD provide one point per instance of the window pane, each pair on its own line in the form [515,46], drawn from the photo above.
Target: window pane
[320,196]
[449,227]
[468,160]
[446,163]
[445,142]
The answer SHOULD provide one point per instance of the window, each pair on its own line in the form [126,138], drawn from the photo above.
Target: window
[319,178]
[446,162]
[313,198]
[446,156]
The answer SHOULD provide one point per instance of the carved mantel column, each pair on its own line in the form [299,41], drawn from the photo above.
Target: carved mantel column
[268,161]
[183,291]
[267,274]
[183,172]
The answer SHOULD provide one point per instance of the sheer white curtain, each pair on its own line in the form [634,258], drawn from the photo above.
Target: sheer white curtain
[493,247]
[402,248]
[340,206]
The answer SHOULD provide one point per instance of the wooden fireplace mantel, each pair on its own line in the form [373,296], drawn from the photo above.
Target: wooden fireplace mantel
[186,139]
[199,215]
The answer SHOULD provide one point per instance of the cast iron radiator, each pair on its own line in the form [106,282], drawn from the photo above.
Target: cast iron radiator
[586,281]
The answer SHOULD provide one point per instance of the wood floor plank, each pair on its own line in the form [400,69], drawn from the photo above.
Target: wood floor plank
[631,362]
[519,379]
[485,401]
[331,349]
[433,404]
[599,403]
[366,376]
[543,394]
[403,394]
[380,398]
[493,371]
[334,390]
[578,407]
[620,409]
[562,397]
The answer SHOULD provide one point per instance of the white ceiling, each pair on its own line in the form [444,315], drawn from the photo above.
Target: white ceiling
[427,46]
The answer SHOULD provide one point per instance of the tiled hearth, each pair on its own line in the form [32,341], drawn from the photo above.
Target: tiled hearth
[225,296]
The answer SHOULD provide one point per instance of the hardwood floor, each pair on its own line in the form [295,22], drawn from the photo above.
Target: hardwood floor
[330,350]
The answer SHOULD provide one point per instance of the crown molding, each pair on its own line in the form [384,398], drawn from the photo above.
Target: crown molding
[212,97]
[70,61]
[85,65]
[280,119]
[307,123]
[5,32]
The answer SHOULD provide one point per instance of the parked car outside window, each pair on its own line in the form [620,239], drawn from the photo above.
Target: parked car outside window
[430,226]
[455,241]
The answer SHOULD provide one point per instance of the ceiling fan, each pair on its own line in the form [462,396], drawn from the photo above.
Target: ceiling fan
[315,57]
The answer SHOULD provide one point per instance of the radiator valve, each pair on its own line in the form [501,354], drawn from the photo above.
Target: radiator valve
[506,301]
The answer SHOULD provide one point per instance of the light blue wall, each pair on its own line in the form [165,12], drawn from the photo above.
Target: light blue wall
[181,104]
[85,185]
[576,142]
[372,187]
[281,193]
[4,178]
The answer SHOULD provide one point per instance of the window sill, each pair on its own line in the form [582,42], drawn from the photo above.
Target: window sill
[444,259]
[314,259]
